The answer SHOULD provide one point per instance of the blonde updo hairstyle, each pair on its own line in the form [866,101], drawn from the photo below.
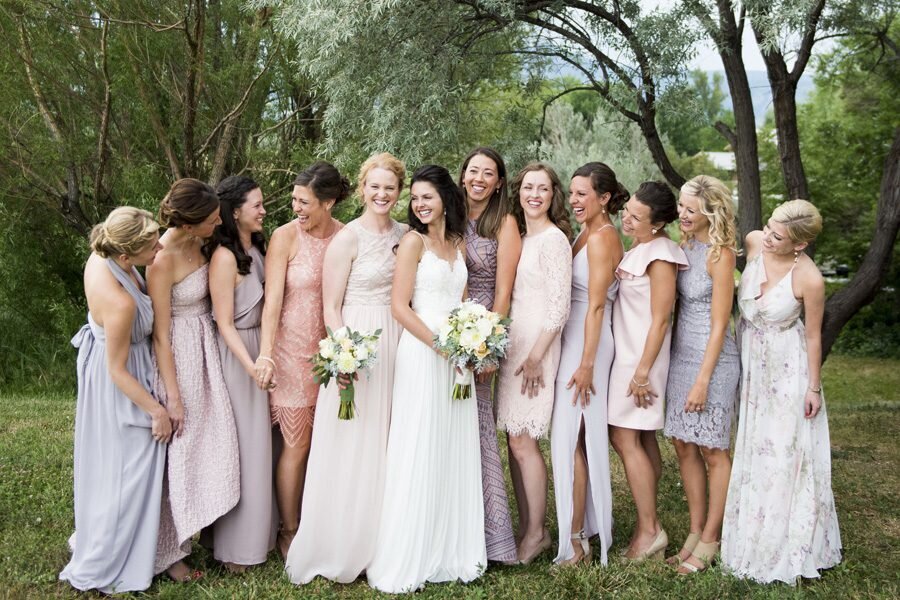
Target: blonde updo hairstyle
[127,230]
[189,202]
[714,199]
[386,161]
[801,219]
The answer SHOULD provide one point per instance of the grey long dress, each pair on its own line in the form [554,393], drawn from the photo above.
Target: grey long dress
[711,427]
[118,466]
[246,534]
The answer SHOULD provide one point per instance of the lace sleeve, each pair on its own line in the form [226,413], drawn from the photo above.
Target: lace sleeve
[555,258]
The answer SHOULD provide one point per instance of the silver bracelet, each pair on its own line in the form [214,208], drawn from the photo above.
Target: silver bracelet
[640,384]
[268,359]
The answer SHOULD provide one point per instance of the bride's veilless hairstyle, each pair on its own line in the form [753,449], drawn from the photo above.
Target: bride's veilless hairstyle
[492,218]
[603,181]
[188,202]
[451,197]
[127,230]
[557,214]
[325,181]
[232,192]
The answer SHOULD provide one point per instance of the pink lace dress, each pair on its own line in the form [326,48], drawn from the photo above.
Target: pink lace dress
[302,325]
[203,466]
[540,302]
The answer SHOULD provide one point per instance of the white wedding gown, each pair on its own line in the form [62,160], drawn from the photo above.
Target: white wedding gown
[432,518]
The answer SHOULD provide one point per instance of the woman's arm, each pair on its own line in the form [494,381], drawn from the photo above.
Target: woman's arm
[662,297]
[753,243]
[722,274]
[223,278]
[277,257]
[601,273]
[339,257]
[555,261]
[813,298]
[118,317]
[408,255]
[159,288]
[509,248]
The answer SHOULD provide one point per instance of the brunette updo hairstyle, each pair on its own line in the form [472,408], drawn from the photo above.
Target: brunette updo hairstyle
[189,202]
[659,197]
[325,181]
[603,181]
[451,197]
[127,230]
[232,192]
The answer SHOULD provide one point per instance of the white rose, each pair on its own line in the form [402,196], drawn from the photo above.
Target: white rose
[484,327]
[340,334]
[362,352]
[326,349]
[346,363]
[470,339]
[444,332]
[346,344]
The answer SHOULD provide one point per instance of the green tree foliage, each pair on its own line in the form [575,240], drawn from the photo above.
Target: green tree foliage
[691,112]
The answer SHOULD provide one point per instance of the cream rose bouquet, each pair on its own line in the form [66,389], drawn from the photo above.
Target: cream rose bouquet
[344,352]
[473,338]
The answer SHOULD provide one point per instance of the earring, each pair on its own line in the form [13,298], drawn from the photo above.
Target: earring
[653,231]
[602,210]
[796,255]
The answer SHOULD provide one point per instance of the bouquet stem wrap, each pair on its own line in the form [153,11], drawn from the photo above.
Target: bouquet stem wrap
[347,407]
[462,384]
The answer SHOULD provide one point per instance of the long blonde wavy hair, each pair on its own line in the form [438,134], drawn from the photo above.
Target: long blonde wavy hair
[717,206]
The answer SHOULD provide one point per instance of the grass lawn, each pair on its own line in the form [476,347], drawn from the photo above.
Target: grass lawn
[864,412]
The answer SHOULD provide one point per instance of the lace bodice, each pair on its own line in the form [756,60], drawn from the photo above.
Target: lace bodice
[439,287]
[372,273]
[542,291]
[481,261]
[190,296]
[777,307]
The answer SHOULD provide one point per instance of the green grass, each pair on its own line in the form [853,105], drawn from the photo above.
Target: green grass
[864,413]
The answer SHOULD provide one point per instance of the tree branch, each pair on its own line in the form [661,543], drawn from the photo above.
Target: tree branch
[102,141]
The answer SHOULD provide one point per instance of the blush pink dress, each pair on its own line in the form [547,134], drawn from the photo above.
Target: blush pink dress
[540,302]
[301,326]
[631,324]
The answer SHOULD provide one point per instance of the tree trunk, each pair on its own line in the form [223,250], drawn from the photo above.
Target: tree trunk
[861,290]
[784,103]
[657,150]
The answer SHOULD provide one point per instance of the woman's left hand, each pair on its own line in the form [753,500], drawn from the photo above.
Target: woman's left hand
[696,398]
[811,404]
[484,376]
[643,394]
[532,377]
[583,381]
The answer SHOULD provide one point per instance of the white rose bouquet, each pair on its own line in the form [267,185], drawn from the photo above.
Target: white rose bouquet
[344,352]
[473,338]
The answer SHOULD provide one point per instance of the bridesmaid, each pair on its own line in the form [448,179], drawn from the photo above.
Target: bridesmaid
[120,428]
[203,465]
[579,445]
[236,280]
[705,369]
[493,246]
[540,307]
[341,506]
[292,326]
[780,522]
[637,382]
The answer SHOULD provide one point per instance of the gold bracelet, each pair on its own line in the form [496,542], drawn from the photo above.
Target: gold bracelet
[640,384]
[815,390]
[268,359]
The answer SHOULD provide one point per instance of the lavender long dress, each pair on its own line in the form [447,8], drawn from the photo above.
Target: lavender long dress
[481,260]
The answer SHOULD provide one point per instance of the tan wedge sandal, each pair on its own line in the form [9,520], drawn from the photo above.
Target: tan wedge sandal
[705,552]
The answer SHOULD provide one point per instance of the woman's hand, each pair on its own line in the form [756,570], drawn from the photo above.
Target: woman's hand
[583,380]
[812,403]
[161,426]
[696,398]
[345,380]
[485,375]
[532,377]
[175,412]
[264,373]
[640,390]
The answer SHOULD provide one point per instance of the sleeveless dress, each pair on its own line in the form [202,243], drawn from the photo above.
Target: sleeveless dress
[432,520]
[203,472]
[119,468]
[481,261]
[780,521]
[345,473]
[246,534]
[567,419]
[631,324]
[710,428]
[540,302]
[300,327]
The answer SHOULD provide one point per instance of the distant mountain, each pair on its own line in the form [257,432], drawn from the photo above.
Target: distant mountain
[762,94]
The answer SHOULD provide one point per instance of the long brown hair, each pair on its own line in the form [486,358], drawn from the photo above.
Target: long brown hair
[492,218]
[557,214]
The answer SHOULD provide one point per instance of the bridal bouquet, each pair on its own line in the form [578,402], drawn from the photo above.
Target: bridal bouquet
[473,338]
[344,352]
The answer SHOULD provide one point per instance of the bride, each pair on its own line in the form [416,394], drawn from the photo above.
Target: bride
[432,517]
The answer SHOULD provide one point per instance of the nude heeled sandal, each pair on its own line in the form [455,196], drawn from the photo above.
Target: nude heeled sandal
[705,552]
[586,552]
[656,550]
[690,543]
